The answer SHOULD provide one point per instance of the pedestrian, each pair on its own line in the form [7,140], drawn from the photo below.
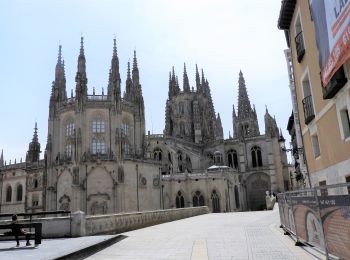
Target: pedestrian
[17,231]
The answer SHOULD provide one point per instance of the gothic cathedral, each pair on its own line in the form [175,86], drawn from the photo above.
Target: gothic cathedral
[99,159]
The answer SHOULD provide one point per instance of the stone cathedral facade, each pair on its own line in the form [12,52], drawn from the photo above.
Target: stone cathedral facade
[99,159]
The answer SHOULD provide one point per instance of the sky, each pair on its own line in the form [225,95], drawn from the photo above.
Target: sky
[222,37]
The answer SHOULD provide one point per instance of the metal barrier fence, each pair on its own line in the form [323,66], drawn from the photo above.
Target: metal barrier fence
[319,217]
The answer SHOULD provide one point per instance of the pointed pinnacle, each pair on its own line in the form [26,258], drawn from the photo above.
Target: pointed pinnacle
[134,66]
[81,45]
[114,47]
[59,59]
[128,75]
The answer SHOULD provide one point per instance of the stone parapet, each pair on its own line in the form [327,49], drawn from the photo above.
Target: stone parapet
[118,223]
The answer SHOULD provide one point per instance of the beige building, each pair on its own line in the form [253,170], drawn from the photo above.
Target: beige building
[321,111]
[99,160]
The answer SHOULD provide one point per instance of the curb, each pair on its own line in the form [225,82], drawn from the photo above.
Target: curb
[90,250]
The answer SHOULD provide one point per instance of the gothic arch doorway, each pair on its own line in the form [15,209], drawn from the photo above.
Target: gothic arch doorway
[215,200]
[257,185]
[237,197]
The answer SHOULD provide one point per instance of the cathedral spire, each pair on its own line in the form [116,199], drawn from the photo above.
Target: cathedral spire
[60,78]
[244,107]
[114,79]
[2,158]
[135,70]
[219,132]
[186,83]
[33,153]
[128,95]
[80,78]
[198,82]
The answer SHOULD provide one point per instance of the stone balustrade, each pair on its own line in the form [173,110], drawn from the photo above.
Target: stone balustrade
[81,225]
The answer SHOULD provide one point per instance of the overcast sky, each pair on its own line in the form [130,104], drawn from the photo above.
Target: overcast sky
[222,37]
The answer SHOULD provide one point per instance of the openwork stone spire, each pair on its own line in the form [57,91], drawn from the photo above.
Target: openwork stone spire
[244,107]
[80,78]
[33,154]
[186,83]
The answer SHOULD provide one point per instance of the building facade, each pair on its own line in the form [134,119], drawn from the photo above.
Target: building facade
[321,111]
[98,158]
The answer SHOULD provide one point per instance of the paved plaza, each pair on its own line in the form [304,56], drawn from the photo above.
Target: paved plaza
[241,235]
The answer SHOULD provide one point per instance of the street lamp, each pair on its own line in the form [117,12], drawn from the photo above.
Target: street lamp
[299,177]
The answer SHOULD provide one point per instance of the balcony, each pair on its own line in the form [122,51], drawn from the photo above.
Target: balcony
[299,43]
[335,84]
[309,113]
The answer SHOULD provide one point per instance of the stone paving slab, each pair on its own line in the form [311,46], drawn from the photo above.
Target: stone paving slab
[49,249]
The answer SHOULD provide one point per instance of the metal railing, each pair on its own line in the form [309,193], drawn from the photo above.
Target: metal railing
[309,113]
[319,217]
[299,43]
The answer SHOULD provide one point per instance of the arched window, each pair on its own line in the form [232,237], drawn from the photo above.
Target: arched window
[236,197]
[36,183]
[98,126]
[69,129]
[125,129]
[98,146]
[198,199]
[188,164]
[126,148]
[232,159]
[157,154]
[182,128]
[9,194]
[19,192]
[179,161]
[215,200]
[256,156]
[68,150]
[217,158]
[180,201]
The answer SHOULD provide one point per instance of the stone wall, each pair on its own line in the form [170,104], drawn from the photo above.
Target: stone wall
[118,223]
[81,225]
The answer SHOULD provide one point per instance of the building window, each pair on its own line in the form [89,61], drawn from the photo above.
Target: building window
[217,158]
[308,105]
[315,145]
[70,129]
[179,161]
[344,117]
[35,200]
[232,159]
[126,148]
[324,192]
[256,156]
[198,199]
[157,154]
[98,147]
[9,194]
[299,40]
[98,126]
[347,179]
[180,201]
[68,150]
[36,183]
[125,129]
[19,192]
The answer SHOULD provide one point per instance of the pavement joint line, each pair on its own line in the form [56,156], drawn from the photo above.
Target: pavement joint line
[199,250]
[289,243]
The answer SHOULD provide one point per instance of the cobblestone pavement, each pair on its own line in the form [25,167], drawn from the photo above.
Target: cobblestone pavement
[241,235]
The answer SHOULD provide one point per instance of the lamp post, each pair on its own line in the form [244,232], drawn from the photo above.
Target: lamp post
[296,152]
